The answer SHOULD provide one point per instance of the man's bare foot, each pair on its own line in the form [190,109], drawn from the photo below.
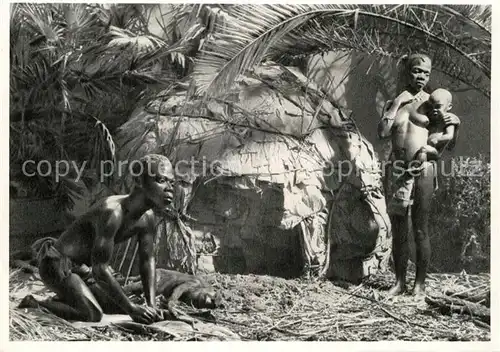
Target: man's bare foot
[397,289]
[28,302]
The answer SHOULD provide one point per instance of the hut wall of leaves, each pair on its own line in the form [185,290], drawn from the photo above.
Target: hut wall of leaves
[268,172]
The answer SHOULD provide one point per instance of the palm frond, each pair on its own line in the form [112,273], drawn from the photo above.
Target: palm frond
[81,23]
[185,17]
[40,19]
[123,38]
[157,55]
[316,37]
[243,43]
[189,25]
[480,15]
[76,16]
[126,16]
[103,71]
[103,156]
[456,37]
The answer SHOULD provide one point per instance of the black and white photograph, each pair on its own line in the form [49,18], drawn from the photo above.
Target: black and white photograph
[290,172]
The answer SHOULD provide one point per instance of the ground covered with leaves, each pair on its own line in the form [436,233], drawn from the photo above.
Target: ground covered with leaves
[269,308]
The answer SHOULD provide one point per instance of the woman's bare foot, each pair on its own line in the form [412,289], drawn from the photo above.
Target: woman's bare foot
[419,290]
[397,289]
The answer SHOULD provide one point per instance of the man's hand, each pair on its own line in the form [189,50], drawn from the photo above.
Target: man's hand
[145,315]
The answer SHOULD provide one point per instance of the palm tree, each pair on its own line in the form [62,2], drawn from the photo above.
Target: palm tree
[77,72]
[457,37]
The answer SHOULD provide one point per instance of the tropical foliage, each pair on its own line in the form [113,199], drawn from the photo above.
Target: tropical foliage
[77,72]
[457,37]
[460,218]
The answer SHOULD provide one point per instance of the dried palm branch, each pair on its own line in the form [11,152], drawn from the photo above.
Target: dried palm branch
[458,38]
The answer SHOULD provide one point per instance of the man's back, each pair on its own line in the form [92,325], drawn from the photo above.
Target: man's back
[77,240]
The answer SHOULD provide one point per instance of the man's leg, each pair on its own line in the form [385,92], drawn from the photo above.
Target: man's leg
[75,301]
[107,303]
[400,252]
[424,189]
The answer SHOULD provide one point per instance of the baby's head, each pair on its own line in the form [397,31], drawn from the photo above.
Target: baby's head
[440,101]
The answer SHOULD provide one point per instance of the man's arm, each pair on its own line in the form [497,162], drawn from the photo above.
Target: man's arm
[147,267]
[101,255]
